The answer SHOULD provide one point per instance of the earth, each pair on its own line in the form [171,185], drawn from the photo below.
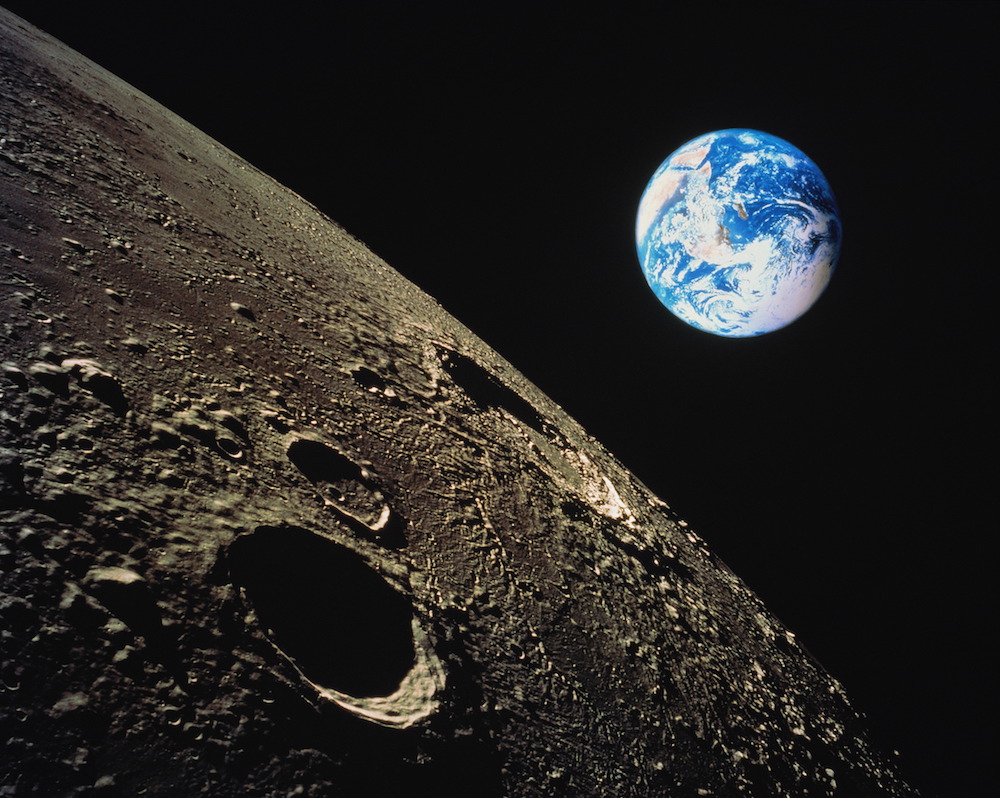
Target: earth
[738,233]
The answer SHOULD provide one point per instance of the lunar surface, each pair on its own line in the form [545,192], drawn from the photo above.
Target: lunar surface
[274,524]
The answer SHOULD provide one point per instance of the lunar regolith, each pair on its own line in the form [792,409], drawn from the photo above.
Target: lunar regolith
[272,523]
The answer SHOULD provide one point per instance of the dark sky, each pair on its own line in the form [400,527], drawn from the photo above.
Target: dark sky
[495,155]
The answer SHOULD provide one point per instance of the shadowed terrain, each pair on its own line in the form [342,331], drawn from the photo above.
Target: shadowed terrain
[273,523]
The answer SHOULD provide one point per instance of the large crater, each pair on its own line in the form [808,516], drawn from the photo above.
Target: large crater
[336,618]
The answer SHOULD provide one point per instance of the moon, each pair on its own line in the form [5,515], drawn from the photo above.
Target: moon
[272,522]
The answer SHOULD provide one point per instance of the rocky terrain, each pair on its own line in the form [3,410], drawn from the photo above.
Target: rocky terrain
[272,523]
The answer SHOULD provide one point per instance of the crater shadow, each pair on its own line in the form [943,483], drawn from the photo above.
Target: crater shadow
[349,490]
[487,391]
[335,617]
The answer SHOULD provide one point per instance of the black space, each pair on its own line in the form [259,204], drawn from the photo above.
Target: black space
[495,154]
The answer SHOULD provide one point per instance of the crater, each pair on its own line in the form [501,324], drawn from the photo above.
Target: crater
[367,378]
[348,489]
[487,391]
[342,625]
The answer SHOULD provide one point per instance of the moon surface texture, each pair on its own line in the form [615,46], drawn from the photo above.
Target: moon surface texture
[274,524]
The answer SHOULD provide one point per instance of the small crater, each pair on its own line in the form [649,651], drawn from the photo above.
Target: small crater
[72,243]
[54,378]
[370,380]
[656,563]
[348,489]
[15,375]
[334,616]
[243,311]
[367,378]
[126,594]
[230,447]
[275,420]
[487,391]
[230,422]
[104,386]
[218,429]
[133,344]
